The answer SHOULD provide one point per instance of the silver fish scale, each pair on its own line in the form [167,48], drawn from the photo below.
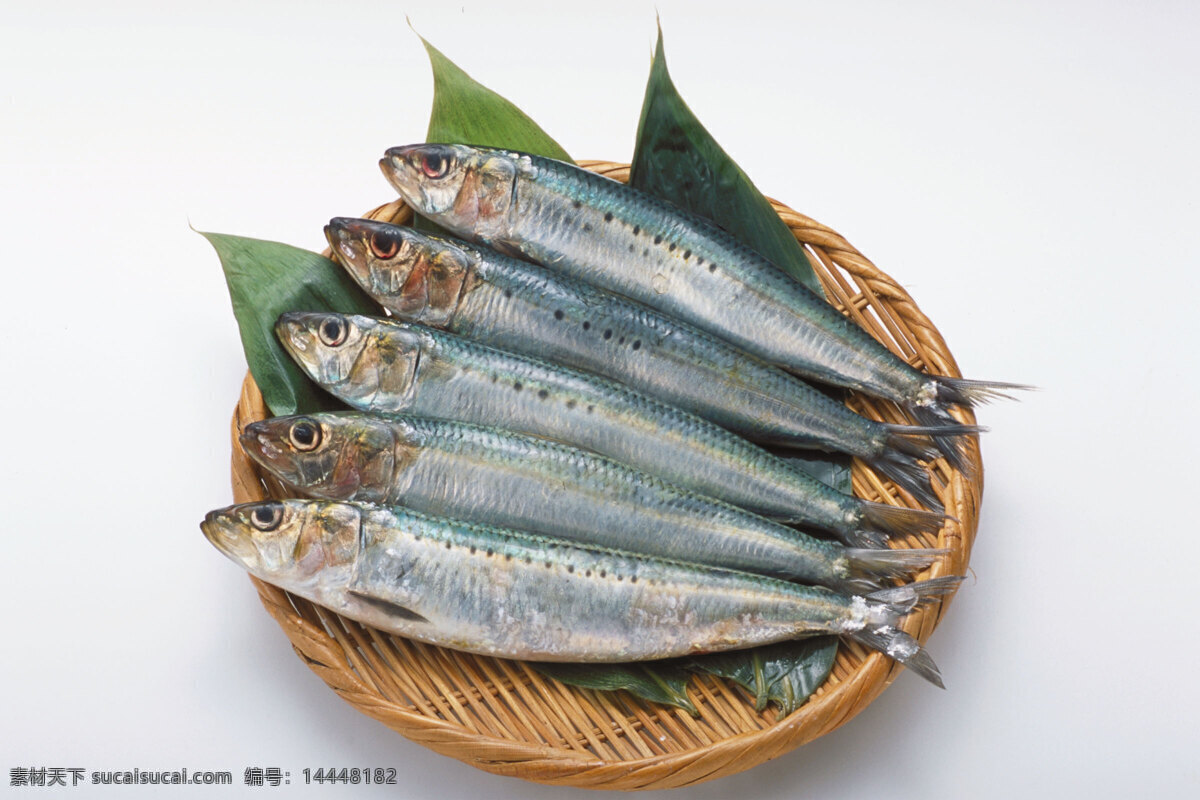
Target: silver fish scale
[457,379]
[600,231]
[519,307]
[498,478]
[511,595]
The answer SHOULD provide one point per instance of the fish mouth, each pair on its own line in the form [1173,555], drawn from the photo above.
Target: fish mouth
[347,237]
[301,343]
[224,532]
[400,171]
[341,229]
[336,233]
[290,329]
[211,528]
[394,160]
[252,430]
[399,156]
[256,440]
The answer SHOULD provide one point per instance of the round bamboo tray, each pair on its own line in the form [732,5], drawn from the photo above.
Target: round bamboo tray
[504,717]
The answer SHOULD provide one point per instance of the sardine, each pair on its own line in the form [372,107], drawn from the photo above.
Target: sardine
[382,365]
[524,308]
[509,480]
[513,595]
[609,234]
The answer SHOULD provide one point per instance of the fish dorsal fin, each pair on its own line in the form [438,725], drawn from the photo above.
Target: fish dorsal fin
[387,607]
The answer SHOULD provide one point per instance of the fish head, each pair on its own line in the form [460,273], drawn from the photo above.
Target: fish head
[369,363]
[468,190]
[418,278]
[289,543]
[335,456]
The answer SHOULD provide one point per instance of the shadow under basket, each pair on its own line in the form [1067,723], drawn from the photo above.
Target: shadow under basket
[505,717]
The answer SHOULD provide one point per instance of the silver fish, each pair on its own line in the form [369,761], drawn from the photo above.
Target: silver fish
[609,234]
[510,480]
[513,595]
[380,365]
[517,306]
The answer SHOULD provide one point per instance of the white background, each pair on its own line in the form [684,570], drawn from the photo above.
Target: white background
[1030,174]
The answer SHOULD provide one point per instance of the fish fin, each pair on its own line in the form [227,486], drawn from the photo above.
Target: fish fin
[948,439]
[953,447]
[898,645]
[865,540]
[906,472]
[962,391]
[900,600]
[905,438]
[901,437]
[898,521]
[387,606]
[888,607]
[949,429]
[875,564]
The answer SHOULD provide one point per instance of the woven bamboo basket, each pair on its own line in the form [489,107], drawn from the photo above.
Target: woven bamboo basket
[504,717]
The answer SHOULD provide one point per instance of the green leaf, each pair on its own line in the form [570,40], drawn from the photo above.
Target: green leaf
[786,673]
[266,279]
[466,112]
[664,682]
[678,160]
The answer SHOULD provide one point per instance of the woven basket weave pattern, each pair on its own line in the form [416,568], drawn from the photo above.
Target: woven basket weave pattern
[504,717]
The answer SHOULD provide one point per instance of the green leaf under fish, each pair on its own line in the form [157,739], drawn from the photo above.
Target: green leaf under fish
[266,279]
[786,673]
[678,160]
[833,471]
[663,683]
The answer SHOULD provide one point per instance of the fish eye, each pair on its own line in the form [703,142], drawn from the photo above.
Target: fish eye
[267,517]
[384,244]
[435,165]
[305,435]
[332,331]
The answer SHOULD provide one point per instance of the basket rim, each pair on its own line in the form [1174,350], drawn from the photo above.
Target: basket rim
[334,660]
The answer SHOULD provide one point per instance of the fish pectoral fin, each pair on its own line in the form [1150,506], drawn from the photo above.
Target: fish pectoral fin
[388,607]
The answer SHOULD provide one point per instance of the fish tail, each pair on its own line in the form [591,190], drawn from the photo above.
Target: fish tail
[904,437]
[962,391]
[904,448]
[897,521]
[888,606]
[904,470]
[864,540]
[953,446]
[898,645]
[882,564]
[897,601]
[907,440]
